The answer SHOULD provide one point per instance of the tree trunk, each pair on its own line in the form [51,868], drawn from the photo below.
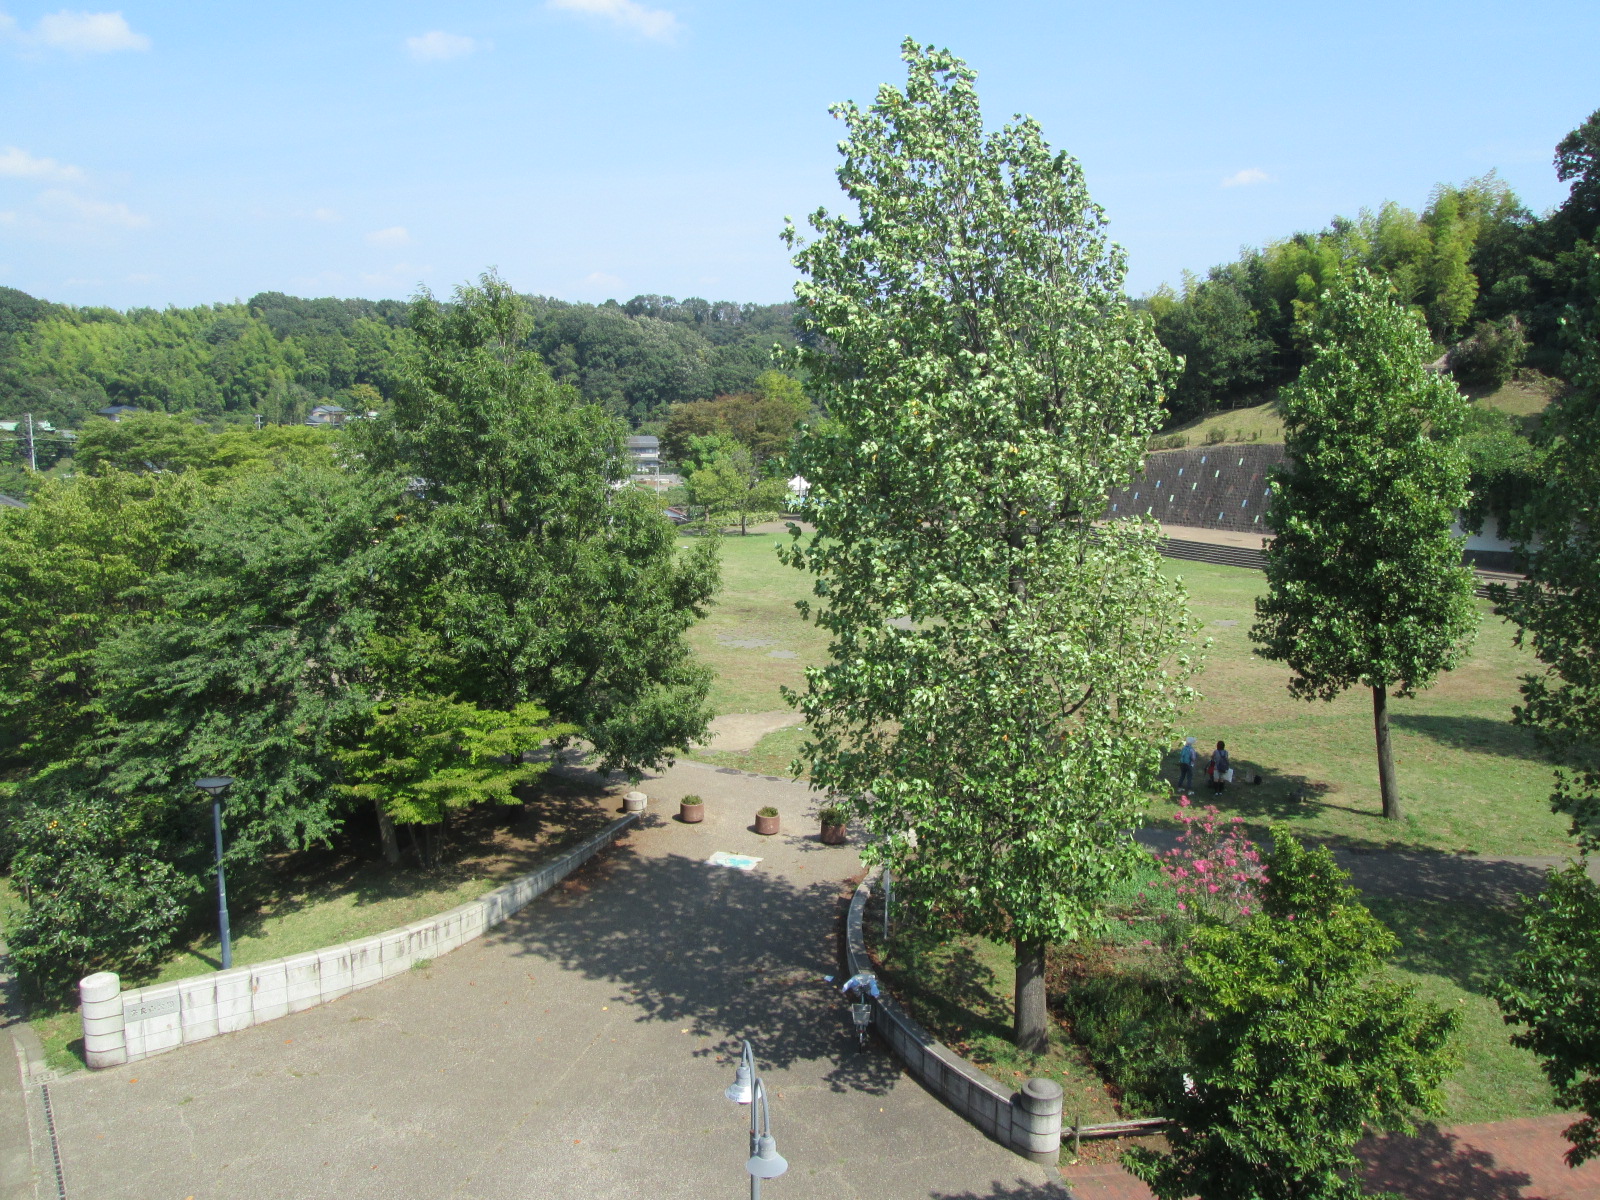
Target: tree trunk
[1380,725]
[1031,1031]
[391,844]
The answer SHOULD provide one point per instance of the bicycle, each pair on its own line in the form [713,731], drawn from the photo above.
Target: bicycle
[866,984]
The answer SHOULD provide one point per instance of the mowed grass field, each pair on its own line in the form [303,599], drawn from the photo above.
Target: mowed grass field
[1471,781]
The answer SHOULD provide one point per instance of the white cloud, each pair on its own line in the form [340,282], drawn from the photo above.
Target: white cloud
[655,23]
[327,215]
[16,163]
[437,46]
[85,33]
[395,235]
[102,214]
[1246,177]
[601,279]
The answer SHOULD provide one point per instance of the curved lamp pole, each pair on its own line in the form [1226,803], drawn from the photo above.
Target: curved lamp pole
[214,786]
[747,1088]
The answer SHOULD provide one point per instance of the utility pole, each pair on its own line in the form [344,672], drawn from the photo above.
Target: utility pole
[33,459]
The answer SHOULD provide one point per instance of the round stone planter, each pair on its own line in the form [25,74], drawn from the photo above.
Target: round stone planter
[691,814]
[833,835]
[766,825]
[635,801]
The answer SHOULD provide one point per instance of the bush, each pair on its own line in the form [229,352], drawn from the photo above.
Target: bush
[835,814]
[1298,1044]
[691,798]
[103,892]
[1487,358]
[766,811]
[1216,435]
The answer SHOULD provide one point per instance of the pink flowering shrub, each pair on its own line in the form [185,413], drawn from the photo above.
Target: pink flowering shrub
[1214,868]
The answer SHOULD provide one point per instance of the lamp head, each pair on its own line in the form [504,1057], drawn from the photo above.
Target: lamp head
[766,1162]
[214,785]
[741,1090]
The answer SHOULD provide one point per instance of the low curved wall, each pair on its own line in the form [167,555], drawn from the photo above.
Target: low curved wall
[125,1026]
[1022,1121]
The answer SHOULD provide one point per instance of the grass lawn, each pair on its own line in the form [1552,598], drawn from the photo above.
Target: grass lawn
[1258,423]
[1470,780]
[322,898]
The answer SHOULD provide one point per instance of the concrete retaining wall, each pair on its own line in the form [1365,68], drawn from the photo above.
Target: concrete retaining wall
[1028,1121]
[125,1026]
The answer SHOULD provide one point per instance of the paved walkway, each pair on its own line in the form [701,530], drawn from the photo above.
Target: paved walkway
[580,1050]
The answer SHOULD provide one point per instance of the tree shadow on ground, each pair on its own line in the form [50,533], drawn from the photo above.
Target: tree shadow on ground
[1020,1189]
[725,954]
[1435,1165]
[1482,735]
[1469,944]
[1281,795]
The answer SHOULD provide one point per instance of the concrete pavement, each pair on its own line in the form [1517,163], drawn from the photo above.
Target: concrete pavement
[580,1050]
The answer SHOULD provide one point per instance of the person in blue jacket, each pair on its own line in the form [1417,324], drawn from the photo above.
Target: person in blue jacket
[1186,757]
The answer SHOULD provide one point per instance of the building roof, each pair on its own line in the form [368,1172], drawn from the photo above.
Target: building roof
[116,410]
[644,441]
[12,502]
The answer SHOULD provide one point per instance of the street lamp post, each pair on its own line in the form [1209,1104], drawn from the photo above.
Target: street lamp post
[214,786]
[747,1088]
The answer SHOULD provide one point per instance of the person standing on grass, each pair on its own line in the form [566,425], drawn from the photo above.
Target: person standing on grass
[1186,757]
[1218,770]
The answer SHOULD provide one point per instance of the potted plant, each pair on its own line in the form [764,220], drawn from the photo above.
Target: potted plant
[691,809]
[834,818]
[767,820]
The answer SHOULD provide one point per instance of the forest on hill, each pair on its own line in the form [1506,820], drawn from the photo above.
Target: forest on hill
[1491,278]
[277,356]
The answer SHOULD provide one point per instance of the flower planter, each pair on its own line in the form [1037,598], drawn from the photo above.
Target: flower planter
[833,835]
[691,814]
[766,825]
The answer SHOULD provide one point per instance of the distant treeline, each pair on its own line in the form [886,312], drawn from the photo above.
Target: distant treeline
[277,356]
[1492,279]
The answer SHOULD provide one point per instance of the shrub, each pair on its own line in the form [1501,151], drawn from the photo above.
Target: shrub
[1487,358]
[1214,869]
[1298,1044]
[106,890]
[1216,436]
[691,798]
[766,811]
[835,814]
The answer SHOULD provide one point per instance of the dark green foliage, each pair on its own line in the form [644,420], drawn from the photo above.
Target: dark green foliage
[637,359]
[1505,469]
[1558,609]
[1297,1045]
[530,574]
[108,885]
[1217,330]
[1553,991]
[1487,358]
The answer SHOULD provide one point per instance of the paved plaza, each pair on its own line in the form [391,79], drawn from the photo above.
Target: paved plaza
[579,1050]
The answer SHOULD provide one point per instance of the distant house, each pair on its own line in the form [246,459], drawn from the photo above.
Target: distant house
[12,502]
[645,451]
[116,412]
[327,414]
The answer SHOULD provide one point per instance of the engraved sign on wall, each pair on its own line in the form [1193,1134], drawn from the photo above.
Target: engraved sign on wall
[149,1009]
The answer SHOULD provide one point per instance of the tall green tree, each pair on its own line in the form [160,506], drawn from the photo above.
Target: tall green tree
[731,485]
[998,690]
[534,577]
[1557,610]
[1364,577]
[1297,1044]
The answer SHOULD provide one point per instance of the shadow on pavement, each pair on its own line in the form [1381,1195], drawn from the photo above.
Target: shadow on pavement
[713,953]
[1435,1165]
[1021,1189]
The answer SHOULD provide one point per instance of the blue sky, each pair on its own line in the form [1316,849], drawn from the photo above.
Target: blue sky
[166,153]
